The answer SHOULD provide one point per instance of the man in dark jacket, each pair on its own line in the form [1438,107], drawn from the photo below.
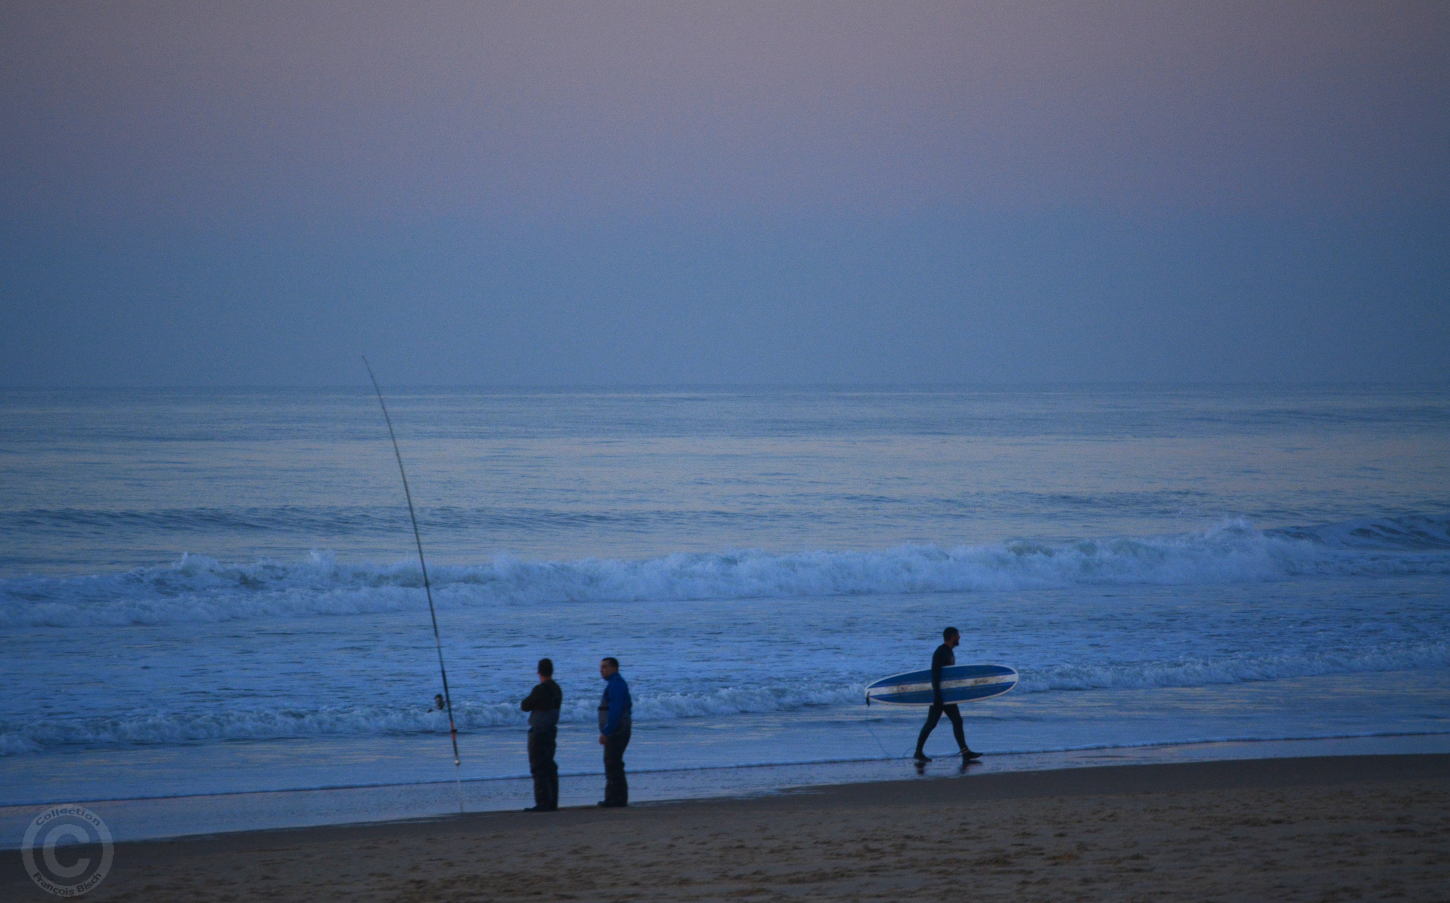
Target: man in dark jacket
[615,723]
[543,704]
[943,658]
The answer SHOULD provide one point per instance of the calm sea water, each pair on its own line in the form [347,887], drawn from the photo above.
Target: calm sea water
[216,591]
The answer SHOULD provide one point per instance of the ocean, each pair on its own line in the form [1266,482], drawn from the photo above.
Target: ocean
[213,614]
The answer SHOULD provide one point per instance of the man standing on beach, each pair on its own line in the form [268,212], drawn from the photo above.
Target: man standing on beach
[614,728]
[943,658]
[543,704]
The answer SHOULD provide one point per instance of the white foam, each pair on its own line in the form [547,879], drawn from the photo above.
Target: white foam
[173,726]
[1236,669]
[202,589]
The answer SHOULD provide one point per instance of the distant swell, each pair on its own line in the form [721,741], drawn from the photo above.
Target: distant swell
[201,589]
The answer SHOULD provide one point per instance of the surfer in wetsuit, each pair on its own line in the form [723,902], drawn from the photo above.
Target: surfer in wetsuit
[942,658]
[542,704]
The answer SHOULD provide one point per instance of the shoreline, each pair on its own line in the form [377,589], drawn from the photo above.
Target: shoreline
[1359,827]
[195,814]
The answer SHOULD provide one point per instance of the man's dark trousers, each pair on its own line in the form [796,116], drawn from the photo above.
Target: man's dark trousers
[543,767]
[616,787]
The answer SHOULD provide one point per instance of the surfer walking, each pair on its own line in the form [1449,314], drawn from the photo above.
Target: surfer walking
[943,657]
[543,704]
[615,723]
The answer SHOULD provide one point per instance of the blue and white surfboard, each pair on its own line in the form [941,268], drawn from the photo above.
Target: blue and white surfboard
[959,683]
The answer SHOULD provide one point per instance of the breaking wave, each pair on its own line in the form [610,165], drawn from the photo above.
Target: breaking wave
[202,589]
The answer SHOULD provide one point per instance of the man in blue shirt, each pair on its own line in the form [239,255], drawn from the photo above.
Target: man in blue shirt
[614,728]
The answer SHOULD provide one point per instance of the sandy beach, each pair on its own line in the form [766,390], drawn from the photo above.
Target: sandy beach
[1335,828]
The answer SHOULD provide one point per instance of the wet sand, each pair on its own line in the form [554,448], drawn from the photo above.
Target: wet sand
[1335,828]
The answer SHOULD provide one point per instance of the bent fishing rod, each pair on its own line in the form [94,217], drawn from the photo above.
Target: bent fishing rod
[427,586]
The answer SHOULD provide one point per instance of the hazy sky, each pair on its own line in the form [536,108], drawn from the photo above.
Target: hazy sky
[218,193]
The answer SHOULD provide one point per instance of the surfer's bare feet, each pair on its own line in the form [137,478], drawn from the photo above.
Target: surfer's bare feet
[970,753]
[922,757]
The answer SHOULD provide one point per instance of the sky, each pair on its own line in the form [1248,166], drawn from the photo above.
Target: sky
[547,193]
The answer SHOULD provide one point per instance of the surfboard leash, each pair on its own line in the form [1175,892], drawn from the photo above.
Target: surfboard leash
[879,744]
[427,584]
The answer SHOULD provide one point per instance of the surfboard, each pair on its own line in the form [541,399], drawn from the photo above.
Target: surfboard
[959,683]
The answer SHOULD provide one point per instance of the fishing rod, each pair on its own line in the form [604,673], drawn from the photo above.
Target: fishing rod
[427,586]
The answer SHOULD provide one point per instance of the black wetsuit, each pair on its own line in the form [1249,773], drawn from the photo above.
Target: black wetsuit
[543,704]
[942,658]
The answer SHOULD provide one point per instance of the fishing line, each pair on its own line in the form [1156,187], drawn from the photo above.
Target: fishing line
[427,586]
